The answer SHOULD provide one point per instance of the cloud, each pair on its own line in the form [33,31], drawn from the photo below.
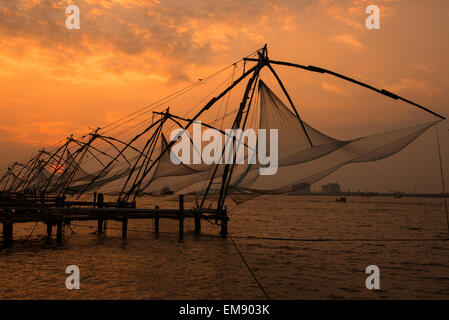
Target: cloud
[422,67]
[348,39]
[350,17]
[333,88]
[351,13]
[35,133]
[131,52]
[419,86]
[161,38]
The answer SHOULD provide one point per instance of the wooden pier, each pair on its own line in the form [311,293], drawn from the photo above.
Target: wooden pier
[56,211]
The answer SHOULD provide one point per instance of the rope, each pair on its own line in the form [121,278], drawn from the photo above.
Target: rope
[173,95]
[273,238]
[235,246]
[442,177]
[249,268]
[343,240]
[32,230]
[164,100]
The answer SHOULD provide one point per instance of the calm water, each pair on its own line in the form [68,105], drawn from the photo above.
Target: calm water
[207,267]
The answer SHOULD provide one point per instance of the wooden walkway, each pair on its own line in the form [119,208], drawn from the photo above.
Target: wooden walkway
[55,211]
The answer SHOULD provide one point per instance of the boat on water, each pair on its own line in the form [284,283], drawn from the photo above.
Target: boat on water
[166,191]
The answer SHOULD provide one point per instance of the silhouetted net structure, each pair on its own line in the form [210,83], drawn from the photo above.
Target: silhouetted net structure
[140,162]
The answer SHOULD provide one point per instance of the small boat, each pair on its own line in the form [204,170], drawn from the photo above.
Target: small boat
[341,199]
[166,191]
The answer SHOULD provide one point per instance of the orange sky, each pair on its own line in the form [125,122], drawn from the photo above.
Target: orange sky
[127,54]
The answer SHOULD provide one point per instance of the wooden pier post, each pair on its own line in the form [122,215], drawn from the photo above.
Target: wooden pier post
[49,230]
[181,217]
[197,223]
[100,226]
[8,233]
[59,232]
[224,228]
[99,201]
[124,228]
[156,222]
[224,224]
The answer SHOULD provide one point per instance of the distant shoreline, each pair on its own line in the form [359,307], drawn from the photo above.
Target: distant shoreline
[378,194]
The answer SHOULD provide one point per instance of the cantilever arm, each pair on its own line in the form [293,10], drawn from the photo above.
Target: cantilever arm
[338,75]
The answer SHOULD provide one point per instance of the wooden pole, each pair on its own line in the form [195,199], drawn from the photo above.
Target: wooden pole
[156,222]
[156,225]
[59,232]
[100,226]
[224,224]
[124,228]
[181,217]
[197,223]
[338,75]
[224,228]
[49,230]
[99,200]
[229,169]
[8,233]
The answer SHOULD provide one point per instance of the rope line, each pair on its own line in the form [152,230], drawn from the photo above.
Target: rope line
[32,230]
[249,268]
[175,94]
[343,240]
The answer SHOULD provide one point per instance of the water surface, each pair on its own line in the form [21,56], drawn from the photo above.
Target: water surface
[207,267]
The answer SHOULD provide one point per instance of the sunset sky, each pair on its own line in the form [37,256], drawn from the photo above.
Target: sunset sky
[127,54]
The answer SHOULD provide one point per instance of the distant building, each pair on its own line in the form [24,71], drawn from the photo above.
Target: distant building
[331,188]
[302,188]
